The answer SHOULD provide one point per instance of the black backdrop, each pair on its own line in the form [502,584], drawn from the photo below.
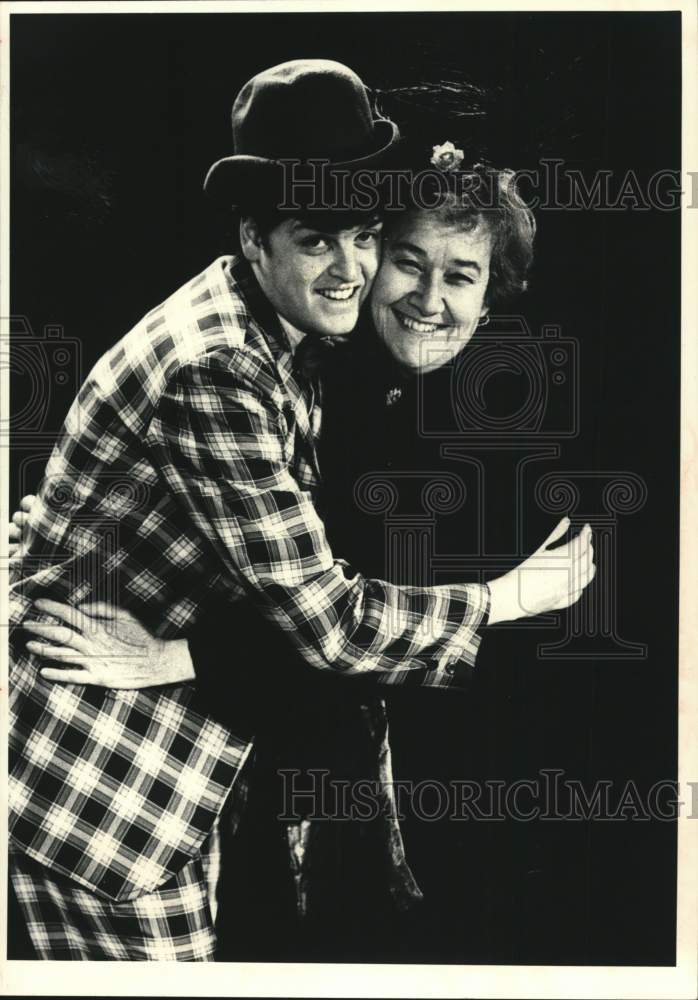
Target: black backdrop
[115,119]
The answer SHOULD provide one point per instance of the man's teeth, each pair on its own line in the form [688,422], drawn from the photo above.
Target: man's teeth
[340,294]
[416,326]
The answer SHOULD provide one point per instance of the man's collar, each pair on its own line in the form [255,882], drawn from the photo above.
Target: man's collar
[243,278]
[287,335]
[293,334]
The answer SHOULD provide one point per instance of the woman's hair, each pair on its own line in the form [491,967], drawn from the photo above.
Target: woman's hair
[465,199]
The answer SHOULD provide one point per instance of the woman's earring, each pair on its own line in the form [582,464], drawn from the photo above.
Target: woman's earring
[483,321]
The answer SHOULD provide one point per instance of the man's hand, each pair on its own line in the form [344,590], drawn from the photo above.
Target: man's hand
[16,527]
[108,647]
[548,580]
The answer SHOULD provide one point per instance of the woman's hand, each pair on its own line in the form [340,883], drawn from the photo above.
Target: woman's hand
[107,647]
[16,526]
[548,580]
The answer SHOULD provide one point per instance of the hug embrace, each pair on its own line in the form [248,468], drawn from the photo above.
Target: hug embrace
[182,609]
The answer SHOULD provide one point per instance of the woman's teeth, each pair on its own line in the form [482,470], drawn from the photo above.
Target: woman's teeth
[338,294]
[415,326]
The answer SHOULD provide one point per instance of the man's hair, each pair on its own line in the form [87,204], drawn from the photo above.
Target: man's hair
[482,195]
[324,221]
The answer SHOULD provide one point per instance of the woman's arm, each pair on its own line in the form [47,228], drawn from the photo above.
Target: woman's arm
[98,644]
[106,647]
[16,527]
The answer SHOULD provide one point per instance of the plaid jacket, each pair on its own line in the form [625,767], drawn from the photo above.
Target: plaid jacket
[185,473]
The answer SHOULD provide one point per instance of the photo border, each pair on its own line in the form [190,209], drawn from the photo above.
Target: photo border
[41,978]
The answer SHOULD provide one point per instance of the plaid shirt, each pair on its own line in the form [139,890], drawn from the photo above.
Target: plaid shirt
[185,471]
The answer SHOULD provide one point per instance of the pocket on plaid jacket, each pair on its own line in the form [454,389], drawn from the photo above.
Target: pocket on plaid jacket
[115,790]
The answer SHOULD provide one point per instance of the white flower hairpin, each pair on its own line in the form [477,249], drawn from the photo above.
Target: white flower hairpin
[447,157]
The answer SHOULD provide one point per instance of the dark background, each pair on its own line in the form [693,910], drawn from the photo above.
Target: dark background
[115,120]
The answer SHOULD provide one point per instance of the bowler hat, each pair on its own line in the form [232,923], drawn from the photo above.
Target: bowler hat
[303,110]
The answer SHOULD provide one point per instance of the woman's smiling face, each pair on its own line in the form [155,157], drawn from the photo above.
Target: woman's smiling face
[429,294]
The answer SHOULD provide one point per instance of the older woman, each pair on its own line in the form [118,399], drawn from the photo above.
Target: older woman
[443,268]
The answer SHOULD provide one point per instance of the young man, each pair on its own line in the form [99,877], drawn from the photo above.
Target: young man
[185,474]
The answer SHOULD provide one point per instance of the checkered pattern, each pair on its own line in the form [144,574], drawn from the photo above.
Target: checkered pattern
[173,924]
[116,788]
[185,472]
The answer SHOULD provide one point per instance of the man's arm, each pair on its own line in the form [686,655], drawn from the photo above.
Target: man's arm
[128,656]
[222,445]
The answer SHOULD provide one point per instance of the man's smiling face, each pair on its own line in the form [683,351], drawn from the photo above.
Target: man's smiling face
[316,280]
[430,291]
